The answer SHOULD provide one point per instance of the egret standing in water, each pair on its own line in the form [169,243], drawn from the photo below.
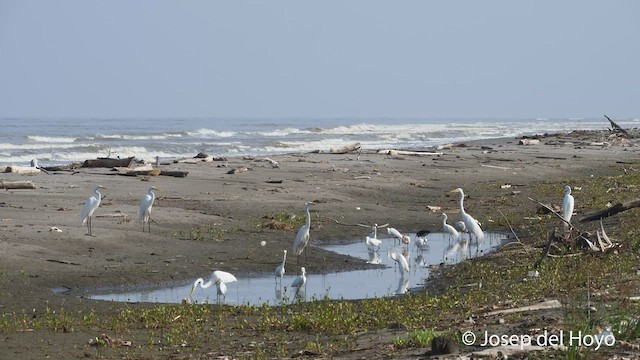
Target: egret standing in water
[302,238]
[90,206]
[372,241]
[397,235]
[280,269]
[421,238]
[145,207]
[219,278]
[448,228]
[299,281]
[472,225]
[567,205]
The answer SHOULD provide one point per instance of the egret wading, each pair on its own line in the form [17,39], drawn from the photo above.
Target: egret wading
[448,228]
[403,264]
[280,269]
[472,225]
[90,206]
[219,278]
[145,207]
[372,242]
[302,238]
[300,281]
[397,235]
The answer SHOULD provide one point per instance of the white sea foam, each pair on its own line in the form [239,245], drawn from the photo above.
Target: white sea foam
[51,139]
[211,133]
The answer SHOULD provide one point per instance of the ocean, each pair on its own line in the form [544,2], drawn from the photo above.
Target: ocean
[62,141]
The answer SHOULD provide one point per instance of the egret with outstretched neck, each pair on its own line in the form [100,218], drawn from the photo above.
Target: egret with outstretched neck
[280,269]
[472,225]
[219,278]
[302,238]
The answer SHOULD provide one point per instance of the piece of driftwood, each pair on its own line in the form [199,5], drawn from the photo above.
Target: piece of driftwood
[528,142]
[17,169]
[174,173]
[612,210]
[405,152]
[545,305]
[237,170]
[345,149]
[107,162]
[15,185]
[618,129]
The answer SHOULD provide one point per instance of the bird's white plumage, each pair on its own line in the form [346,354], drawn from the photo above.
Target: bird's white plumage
[448,228]
[373,243]
[403,264]
[300,280]
[218,278]
[460,226]
[567,204]
[302,238]
[145,205]
[396,234]
[92,203]
[472,225]
[280,269]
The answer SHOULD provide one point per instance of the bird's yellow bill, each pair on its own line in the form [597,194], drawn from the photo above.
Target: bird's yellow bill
[454,190]
[193,288]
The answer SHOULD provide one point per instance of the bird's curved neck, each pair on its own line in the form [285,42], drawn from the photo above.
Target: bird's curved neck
[308,215]
[98,194]
[462,203]
[375,231]
[444,219]
[203,284]
[152,194]
[284,258]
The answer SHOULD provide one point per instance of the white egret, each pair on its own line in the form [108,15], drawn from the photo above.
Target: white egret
[374,233]
[448,228]
[299,281]
[302,238]
[219,278]
[396,234]
[403,264]
[145,207]
[373,243]
[280,269]
[460,226]
[90,206]
[472,225]
[567,204]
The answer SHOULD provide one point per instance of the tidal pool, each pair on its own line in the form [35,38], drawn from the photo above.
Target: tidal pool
[359,284]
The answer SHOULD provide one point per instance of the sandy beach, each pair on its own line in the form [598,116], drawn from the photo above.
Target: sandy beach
[230,213]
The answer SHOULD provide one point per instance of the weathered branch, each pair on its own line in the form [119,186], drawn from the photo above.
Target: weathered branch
[618,129]
[612,210]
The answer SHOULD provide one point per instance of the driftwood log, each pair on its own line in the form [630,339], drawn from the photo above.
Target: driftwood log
[618,129]
[107,162]
[14,185]
[612,210]
[345,149]
[28,170]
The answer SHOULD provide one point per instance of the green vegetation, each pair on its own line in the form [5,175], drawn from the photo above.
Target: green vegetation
[585,284]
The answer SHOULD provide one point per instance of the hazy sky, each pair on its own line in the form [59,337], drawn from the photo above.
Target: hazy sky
[346,58]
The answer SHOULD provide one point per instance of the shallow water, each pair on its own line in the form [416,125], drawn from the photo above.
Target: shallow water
[375,282]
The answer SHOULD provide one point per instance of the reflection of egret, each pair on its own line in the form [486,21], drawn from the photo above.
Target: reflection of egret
[280,269]
[448,228]
[403,285]
[403,264]
[219,278]
[472,225]
[420,259]
[397,235]
[302,238]
[567,205]
[457,248]
[90,206]
[374,257]
[145,207]
[299,281]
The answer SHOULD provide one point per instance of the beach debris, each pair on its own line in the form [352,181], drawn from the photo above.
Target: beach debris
[27,170]
[108,162]
[274,164]
[237,170]
[345,149]
[394,152]
[434,208]
[362,177]
[528,142]
[55,229]
[612,210]
[201,155]
[545,305]
[617,129]
[505,186]
[106,340]
[15,185]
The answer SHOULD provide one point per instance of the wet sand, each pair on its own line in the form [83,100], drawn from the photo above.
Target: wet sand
[211,220]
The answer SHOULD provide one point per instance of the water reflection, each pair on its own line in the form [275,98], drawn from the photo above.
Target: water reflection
[375,282]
